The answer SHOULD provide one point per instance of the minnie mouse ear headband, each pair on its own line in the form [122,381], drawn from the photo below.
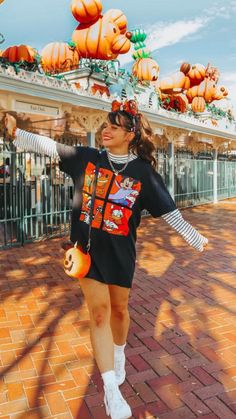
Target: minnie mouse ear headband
[129,106]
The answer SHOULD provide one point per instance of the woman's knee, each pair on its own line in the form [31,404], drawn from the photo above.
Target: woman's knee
[100,314]
[120,311]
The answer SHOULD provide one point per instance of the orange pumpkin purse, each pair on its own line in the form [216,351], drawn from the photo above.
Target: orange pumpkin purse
[77,262]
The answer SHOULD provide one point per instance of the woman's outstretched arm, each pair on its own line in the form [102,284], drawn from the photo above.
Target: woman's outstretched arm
[28,141]
[189,233]
[36,143]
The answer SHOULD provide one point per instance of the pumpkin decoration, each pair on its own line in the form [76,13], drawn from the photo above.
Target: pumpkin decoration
[118,17]
[176,81]
[198,104]
[58,57]
[196,74]
[206,89]
[86,10]
[146,69]
[1,1]
[76,262]
[185,67]
[102,39]
[18,53]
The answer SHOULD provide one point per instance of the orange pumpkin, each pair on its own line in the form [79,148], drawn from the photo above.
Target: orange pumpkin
[1,1]
[198,104]
[18,53]
[118,17]
[86,11]
[101,40]
[206,89]
[196,74]
[76,262]
[146,69]
[185,67]
[58,57]
[177,80]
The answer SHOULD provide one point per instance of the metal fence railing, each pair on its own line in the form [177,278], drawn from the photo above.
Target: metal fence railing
[36,198]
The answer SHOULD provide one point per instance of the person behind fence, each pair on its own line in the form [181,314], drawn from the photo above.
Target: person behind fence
[127,184]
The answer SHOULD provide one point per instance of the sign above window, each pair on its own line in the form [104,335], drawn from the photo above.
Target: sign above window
[36,108]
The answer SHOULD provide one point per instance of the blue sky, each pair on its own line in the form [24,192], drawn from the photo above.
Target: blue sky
[178,30]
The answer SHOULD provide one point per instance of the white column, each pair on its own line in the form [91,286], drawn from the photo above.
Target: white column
[91,139]
[215,195]
[171,164]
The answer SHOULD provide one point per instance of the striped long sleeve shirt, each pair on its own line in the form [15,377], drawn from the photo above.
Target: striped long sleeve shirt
[44,145]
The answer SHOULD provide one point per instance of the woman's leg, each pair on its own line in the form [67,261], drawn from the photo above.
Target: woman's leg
[97,297]
[98,301]
[120,320]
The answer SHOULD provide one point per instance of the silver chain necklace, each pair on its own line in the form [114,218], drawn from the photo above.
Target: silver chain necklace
[115,170]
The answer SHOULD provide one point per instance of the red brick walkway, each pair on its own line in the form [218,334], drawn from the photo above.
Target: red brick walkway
[181,354]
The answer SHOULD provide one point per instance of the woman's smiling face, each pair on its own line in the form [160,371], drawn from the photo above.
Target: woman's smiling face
[116,137]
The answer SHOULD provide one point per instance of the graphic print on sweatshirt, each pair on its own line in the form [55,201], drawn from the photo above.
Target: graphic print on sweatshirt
[115,196]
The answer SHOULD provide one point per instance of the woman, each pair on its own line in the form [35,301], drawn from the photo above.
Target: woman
[127,184]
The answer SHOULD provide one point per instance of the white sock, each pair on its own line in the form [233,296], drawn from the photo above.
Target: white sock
[119,349]
[109,378]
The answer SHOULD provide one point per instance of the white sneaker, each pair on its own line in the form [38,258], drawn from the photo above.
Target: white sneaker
[115,404]
[119,367]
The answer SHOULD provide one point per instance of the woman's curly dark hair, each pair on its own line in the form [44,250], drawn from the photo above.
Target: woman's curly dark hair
[142,144]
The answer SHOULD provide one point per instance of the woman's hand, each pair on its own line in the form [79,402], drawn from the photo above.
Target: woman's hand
[10,124]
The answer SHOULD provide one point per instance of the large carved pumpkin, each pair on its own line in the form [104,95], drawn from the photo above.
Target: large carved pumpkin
[177,80]
[196,74]
[17,53]
[86,10]
[146,69]
[198,104]
[58,57]
[101,40]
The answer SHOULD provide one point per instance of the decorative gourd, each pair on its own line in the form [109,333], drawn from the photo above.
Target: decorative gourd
[198,104]
[177,80]
[185,67]
[17,53]
[146,69]
[76,262]
[206,89]
[196,74]
[86,11]
[118,17]
[101,40]
[58,57]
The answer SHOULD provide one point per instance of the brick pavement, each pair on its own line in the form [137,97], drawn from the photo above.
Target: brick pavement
[181,352]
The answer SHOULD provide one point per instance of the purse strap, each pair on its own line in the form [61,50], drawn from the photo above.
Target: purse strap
[93,200]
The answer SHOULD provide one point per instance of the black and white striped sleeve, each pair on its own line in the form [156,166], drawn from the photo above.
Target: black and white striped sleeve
[36,143]
[189,233]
